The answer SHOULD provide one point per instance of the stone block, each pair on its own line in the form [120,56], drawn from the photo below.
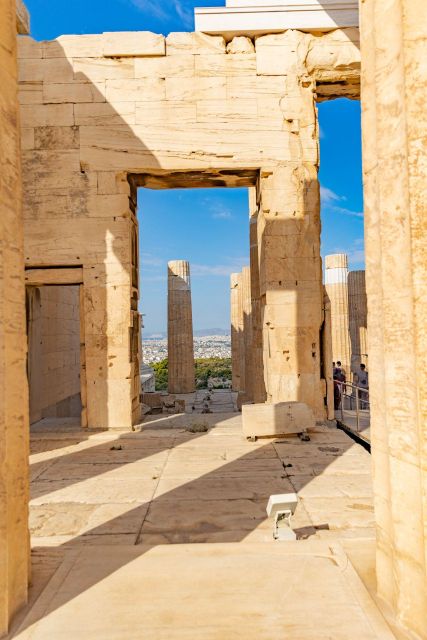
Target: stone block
[29,48]
[56,138]
[195,43]
[52,70]
[223,65]
[237,111]
[168,66]
[27,139]
[253,86]
[213,88]
[103,113]
[166,112]
[152,400]
[133,44]
[72,46]
[73,92]
[99,69]
[30,93]
[135,90]
[49,115]
[270,420]
[241,44]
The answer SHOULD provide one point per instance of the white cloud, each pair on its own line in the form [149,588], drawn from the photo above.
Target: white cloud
[330,200]
[167,9]
[327,195]
[148,260]
[221,213]
[347,212]
[355,253]
[222,270]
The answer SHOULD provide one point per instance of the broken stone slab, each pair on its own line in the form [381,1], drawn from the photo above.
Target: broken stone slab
[134,44]
[276,419]
[152,399]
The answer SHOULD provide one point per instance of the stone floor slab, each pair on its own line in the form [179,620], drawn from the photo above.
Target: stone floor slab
[209,592]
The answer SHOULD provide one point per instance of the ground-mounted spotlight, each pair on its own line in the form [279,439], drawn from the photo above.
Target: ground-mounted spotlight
[282,507]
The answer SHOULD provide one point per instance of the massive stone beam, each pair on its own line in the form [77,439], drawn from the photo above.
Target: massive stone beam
[180,329]
[257,17]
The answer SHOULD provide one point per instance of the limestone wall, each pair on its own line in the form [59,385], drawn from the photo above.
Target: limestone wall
[54,352]
[14,393]
[184,111]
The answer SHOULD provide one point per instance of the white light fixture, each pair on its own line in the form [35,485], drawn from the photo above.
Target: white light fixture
[282,507]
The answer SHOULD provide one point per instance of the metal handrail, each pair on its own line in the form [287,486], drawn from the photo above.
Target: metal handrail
[359,394]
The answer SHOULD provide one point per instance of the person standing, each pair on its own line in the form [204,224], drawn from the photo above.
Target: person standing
[361,380]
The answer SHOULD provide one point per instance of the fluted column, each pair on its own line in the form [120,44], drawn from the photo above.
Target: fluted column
[336,284]
[394,125]
[358,318]
[258,384]
[246,360]
[235,336]
[180,329]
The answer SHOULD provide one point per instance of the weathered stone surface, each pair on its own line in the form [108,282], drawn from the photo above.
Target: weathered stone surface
[194,43]
[133,44]
[22,18]
[240,44]
[14,548]
[105,117]
[180,329]
[261,420]
[394,122]
[336,285]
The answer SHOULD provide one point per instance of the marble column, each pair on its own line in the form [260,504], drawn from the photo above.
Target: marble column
[336,284]
[246,359]
[235,336]
[394,125]
[358,318]
[14,427]
[180,329]
[258,384]
[327,357]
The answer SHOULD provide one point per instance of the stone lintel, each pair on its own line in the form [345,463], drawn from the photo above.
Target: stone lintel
[22,18]
[252,18]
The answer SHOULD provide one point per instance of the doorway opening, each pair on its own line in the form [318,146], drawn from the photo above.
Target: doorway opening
[343,253]
[208,226]
[56,358]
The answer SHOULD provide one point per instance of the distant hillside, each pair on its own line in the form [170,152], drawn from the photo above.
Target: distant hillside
[199,333]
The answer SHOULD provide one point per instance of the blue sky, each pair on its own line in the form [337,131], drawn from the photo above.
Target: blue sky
[210,227]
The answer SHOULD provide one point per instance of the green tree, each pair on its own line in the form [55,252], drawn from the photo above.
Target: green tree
[161,374]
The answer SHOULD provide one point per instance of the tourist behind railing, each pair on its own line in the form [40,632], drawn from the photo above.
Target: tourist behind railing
[339,381]
[361,380]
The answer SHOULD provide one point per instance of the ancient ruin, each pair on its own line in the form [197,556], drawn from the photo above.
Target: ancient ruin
[358,318]
[102,116]
[180,329]
[336,285]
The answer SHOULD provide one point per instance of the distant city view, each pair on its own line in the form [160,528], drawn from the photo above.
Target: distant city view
[155,349]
